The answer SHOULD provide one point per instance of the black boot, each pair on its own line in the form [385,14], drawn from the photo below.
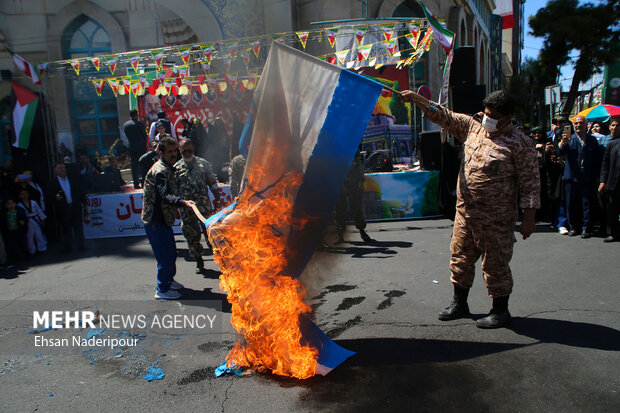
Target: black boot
[458,308]
[200,265]
[498,316]
[365,237]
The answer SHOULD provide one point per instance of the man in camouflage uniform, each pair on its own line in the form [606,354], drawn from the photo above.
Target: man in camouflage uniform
[236,170]
[498,159]
[160,203]
[352,190]
[194,176]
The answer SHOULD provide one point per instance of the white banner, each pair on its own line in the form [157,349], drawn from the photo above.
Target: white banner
[119,215]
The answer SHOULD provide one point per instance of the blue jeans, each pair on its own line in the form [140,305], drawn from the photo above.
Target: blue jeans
[164,248]
[560,216]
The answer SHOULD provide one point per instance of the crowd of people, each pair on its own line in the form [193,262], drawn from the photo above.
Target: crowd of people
[26,206]
[579,171]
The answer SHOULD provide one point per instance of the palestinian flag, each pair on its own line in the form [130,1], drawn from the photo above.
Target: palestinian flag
[24,112]
[26,67]
[444,36]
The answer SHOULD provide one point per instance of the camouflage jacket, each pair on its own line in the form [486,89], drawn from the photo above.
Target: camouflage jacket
[160,195]
[236,170]
[495,165]
[193,181]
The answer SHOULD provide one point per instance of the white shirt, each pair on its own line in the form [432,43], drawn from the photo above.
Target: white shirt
[153,131]
[66,188]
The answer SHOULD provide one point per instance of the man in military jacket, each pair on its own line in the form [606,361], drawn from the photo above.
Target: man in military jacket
[160,202]
[194,177]
[498,160]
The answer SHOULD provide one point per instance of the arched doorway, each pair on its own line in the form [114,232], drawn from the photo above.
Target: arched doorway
[94,118]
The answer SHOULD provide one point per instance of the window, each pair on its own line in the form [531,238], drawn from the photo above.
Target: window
[95,119]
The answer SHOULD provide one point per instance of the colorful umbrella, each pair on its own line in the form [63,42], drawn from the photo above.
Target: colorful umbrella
[601,113]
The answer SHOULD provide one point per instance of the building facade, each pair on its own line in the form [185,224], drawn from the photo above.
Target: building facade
[43,30]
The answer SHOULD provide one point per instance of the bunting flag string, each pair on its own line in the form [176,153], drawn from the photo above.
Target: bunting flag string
[158,56]
[246,59]
[256,47]
[361,51]
[224,50]
[331,35]
[134,59]
[42,67]
[95,62]
[99,85]
[360,32]
[303,38]
[388,31]
[114,86]
[75,64]
[207,51]
[111,61]
[342,55]
[185,53]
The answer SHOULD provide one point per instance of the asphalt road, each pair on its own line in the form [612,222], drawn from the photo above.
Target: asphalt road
[561,354]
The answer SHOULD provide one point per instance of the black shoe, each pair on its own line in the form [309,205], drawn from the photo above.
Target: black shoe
[586,235]
[494,320]
[365,237]
[572,233]
[455,310]
[609,239]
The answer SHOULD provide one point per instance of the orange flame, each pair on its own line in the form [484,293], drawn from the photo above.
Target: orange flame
[250,247]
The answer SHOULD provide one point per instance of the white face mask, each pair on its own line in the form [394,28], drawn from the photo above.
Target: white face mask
[489,124]
[188,159]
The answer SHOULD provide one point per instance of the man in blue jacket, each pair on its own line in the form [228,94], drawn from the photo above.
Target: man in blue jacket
[580,150]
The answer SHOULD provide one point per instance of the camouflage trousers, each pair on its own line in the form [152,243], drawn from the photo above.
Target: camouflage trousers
[354,195]
[192,228]
[493,240]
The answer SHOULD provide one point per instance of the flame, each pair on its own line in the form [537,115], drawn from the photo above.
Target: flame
[250,246]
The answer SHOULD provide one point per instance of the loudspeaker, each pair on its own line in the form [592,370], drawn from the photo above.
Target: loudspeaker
[430,150]
[468,98]
[451,157]
[463,68]
[379,161]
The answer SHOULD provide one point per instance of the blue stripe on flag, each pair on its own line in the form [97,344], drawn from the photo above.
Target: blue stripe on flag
[347,117]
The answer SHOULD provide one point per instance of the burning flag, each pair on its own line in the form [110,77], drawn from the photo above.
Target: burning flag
[308,119]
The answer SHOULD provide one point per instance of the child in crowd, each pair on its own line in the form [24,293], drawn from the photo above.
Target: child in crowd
[14,227]
[35,238]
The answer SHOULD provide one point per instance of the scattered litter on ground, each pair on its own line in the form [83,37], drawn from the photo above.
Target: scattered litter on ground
[435,282]
[229,370]
[154,373]
[50,395]
[91,362]
[47,364]
[37,356]
[93,332]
